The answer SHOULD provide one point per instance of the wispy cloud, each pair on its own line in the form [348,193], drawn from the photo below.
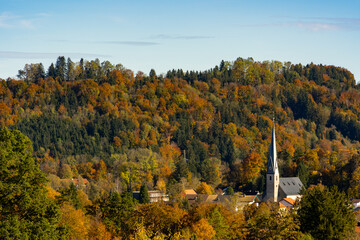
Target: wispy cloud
[10,20]
[37,55]
[315,24]
[131,43]
[44,15]
[28,24]
[5,20]
[177,36]
[117,19]
[329,24]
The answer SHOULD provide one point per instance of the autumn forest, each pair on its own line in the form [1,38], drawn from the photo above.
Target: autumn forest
[118,131]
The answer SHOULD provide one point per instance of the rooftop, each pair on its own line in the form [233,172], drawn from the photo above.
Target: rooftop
[291,185]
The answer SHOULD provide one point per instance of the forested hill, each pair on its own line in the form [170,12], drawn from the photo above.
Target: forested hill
[105,122]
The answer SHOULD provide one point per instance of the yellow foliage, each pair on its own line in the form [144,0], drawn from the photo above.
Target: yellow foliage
[251,167]
[203,230]
[74,220]
[204,188]
[52,193]
[62,109]
[117,141]
[83,198]
[160,184]
[97,231]
[231,129]
[311,159]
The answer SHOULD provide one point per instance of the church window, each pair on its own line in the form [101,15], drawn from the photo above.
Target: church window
[269,177]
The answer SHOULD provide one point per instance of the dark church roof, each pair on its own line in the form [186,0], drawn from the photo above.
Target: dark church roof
[290,185]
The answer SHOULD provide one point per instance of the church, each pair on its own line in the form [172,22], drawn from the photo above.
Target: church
[278,188]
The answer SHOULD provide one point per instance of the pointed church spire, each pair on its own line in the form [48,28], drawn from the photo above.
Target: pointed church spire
[272,167]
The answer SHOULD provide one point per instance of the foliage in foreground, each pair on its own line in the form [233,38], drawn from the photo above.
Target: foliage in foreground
[326,214]
[26,211]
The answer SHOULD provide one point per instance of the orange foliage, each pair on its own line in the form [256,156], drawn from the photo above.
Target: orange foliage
[251,167]
[74,220]
[203,230]
[159,217]
[204,188]
[117,141]
[87,170]
[52,194]
[62,109]
[98,231]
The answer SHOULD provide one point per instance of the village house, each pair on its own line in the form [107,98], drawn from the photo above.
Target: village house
[236,202]
[154,196]
[82,182]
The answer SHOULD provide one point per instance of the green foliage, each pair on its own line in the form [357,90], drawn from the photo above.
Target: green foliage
[326,214]
[229,191]
[114,210]
[219,224]
[181,170]
[25,209]
[70,195]
[269,222]
[144,194]
[303,174]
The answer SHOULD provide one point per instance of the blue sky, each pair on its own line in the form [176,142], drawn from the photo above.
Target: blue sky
[191,35]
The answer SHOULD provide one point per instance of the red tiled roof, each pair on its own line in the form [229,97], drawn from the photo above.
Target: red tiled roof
[281,205]
[75,181]
[289,200]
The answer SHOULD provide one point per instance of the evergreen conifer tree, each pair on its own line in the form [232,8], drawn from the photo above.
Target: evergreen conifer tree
[144,194]
[26,212]
[326,214]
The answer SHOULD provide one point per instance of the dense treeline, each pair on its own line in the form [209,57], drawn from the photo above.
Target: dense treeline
[29,210]
[121,131]
[82,113]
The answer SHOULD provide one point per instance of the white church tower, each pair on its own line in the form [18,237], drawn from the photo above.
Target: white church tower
[272,174]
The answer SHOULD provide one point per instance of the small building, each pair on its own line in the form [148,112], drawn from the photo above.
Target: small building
[82,182]
[287,203]
[154,196]
[248,200]
[190,195]
[356,204]
[238,202]
[205,198]
[190,192]
[235,202]
[290,187]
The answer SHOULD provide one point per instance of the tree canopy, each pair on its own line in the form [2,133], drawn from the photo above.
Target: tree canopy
[109,131]
[25,209]
[326,214]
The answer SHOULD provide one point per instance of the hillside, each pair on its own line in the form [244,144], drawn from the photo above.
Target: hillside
[119,129]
